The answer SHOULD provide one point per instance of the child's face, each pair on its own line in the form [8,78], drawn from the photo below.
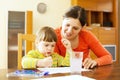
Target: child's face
[46,48]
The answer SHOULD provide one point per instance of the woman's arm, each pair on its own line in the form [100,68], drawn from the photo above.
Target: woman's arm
[103,56]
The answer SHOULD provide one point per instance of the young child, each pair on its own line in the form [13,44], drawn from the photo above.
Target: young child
[44,55]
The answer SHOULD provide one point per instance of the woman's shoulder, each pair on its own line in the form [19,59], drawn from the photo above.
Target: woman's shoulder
[88,35]
[58,33]
[85,31]
[58,30]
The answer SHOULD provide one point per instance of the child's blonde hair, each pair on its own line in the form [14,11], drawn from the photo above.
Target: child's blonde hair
[46,33]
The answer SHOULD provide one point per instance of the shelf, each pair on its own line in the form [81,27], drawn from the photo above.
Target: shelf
[107,19]
[99,18]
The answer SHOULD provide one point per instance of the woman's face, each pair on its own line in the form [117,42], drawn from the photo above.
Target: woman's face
[70,28]
[46,48]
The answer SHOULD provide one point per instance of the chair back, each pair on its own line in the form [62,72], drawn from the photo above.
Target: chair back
[27,40]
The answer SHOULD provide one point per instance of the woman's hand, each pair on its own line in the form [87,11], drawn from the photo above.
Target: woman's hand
[66,43]
[46,62]
[89,63]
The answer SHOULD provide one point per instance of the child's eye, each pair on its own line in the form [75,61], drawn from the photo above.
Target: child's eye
[53,45]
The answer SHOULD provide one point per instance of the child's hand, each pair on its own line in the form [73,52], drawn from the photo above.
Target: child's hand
[46,62]
[66,43]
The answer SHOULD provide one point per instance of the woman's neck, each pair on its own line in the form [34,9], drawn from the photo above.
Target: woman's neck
[74,42]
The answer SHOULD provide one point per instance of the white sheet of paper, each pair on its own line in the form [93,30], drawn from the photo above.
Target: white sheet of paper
[70,77]
[59,70]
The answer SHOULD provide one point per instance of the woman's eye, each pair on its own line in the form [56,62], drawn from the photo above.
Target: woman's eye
[76,28]
[67,25]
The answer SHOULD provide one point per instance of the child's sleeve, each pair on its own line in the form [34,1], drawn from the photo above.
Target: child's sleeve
[64,61]
[30,60]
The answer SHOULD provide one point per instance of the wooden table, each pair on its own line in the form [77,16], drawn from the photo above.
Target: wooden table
[109,72]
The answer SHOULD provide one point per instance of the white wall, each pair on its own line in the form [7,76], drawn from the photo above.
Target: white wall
[53,18]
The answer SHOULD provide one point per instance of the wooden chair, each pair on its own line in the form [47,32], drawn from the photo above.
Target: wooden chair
[29,40]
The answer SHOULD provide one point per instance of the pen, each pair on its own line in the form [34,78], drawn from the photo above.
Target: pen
[29,73]
[43,74]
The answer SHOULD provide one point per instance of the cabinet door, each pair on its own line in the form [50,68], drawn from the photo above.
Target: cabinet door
[105,5]
[88,4]
[94,30]
[107,35]
[92,55]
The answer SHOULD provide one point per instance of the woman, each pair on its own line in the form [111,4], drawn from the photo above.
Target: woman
[81,40]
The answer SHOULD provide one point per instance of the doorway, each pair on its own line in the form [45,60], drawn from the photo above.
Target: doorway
[16,24]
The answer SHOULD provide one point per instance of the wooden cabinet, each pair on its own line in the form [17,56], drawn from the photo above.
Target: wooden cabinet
[107,35]
[102,19]
[102,12]
[119,25]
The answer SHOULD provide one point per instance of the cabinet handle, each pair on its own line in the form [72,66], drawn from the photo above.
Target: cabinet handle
[89,28]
